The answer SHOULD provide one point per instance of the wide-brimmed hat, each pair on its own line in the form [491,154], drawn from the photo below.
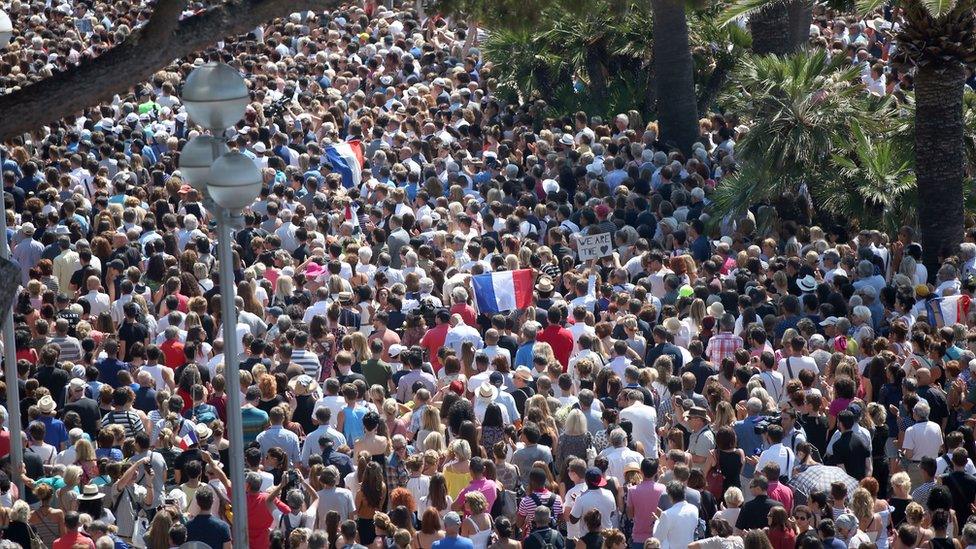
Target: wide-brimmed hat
[303,382]
[807,283]
[203,432]
[89,492]
[47,405]
[345,297]
[544,285]
[699,412]
[487,391]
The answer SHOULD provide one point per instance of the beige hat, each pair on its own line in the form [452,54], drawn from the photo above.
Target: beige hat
[716,309]
[524,373]
[487,391]
[47,405]
[672,324]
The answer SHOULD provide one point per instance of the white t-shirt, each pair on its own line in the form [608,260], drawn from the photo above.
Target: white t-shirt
[943,466]
[924,439]
[790,367]
[644,420]
[574,531]
[599,499]
[781,454]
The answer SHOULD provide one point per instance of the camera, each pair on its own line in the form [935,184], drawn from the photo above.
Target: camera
[763,423]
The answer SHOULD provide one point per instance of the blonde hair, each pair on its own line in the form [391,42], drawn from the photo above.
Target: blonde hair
[476,502]
[901,479]
[430,420]
[72,475]
[575,423]
[460,449]
[435,441]
[20,511]
[862,504]
[734,497]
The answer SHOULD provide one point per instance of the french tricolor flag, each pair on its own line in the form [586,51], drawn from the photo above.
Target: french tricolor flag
[189,439]
[347,160]
[503,291]
[946,311]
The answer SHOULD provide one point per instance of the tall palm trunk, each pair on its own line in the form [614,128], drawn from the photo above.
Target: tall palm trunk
[940,153]
[800,13]
[674,75]
[770,28]
[597,71]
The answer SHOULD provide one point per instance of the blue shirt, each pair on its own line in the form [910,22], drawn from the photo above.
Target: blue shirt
[453,543]
[749,441]
[55,434]
[523,356]
[209,530]
[108,371]
[278,436]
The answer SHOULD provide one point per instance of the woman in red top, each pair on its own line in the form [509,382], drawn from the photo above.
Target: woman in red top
[781,534]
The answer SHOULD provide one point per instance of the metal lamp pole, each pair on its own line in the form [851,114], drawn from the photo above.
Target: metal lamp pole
[9,347]
[10,367]
[215,96]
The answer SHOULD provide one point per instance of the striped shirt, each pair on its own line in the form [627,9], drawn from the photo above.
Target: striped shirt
[253,421]
[70,348]
[128,419]
[308,361]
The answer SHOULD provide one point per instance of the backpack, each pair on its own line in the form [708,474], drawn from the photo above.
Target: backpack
[204,413]
[544,543]
[549,503]
[284,520]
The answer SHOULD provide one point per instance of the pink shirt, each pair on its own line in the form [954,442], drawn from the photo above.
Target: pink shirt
[781,493]
[487,487]
[644,498]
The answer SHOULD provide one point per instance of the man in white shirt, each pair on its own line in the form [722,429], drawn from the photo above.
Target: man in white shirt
[777,452]
[461,333]
[320,306]
[643,418]
[675,528]
[322,417]
[924,439]
[595,497]
[98,301]
[619,362]
[619,455]
[492,349]
[577,474]
[797,361]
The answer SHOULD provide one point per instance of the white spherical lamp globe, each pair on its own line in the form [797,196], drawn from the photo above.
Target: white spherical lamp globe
[234,181]
[6,29]
[215,96]
[197,157]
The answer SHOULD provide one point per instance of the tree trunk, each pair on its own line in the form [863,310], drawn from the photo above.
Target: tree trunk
[162,40]
[674,75]
[596,71]
[940,152]
[800,17]
[770,28]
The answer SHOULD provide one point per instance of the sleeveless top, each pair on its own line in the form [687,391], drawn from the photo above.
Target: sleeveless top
[730,463]
[352,428]
[479,538]
[942,543]
[47,529]
[156,371]
[456,482]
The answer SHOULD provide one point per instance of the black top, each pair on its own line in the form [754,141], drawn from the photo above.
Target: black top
[542,537]
[851,452]
[962,485]
[754,513]
[730,464]
[89,412]
[898,506]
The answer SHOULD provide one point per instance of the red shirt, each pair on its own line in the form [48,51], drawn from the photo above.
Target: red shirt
[260,519]
[781,493]
[69,540]
[4,443]
[30,355]
[432,342]
[173,353]
[561,341]
[467,313]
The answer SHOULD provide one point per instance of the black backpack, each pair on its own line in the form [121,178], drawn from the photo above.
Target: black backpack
[544,542]
[550,503]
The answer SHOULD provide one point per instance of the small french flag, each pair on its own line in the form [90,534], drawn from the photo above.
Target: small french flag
[189,439]
[347,160]
[503,291]
[352,216]
[946,311]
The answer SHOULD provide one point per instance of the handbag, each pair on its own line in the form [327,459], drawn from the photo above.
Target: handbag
[35,540]
[715,480]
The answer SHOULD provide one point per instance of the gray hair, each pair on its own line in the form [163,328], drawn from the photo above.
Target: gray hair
[865,269]
[618,437]
[967,250]
[253,481]
[754,405]
[921,411]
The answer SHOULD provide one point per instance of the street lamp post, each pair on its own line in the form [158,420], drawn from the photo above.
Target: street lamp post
[215,97]
[9,348]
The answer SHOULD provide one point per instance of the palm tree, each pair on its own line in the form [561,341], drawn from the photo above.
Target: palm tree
[674,75]
[777,26]
[938,38]
[801,110]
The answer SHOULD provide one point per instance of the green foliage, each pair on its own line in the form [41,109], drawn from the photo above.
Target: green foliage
[813,124]
[554,60]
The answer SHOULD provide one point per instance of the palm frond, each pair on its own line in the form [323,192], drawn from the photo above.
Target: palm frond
[741,8]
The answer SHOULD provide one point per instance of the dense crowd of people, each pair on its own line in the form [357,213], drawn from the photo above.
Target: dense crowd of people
[710,383]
